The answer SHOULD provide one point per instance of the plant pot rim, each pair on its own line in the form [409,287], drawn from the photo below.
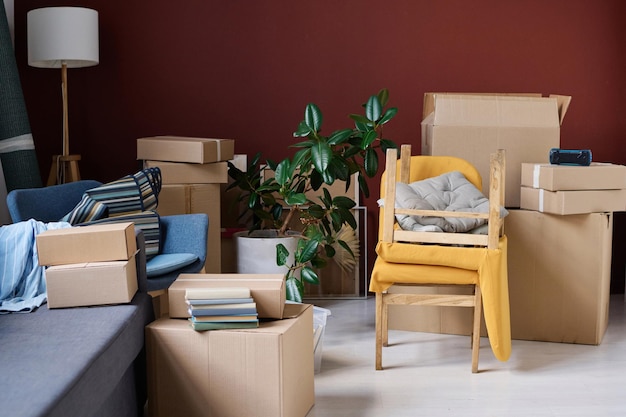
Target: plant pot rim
[266,234]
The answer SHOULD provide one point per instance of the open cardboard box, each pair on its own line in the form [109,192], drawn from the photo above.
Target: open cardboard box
[472,126]
[267,290]
[267,371]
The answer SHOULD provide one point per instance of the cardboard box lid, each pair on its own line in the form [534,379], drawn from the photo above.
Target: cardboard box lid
[268,291]
[597,176]
[484,109]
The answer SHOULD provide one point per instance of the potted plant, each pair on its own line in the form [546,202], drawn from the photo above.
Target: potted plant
[276,192]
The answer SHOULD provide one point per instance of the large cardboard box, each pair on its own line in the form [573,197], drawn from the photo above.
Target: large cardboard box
[185,149]
[196,198]
[572,202]
[263,372]
[187,173]
[267,290]
[94,243]
[472,126]
[559,270]
[89,284]
[597,176]
[559,275]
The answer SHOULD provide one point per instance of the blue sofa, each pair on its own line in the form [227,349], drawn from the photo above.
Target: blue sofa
[84,361]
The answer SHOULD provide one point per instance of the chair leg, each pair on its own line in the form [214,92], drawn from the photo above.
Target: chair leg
[379,331]
[385,322]
[476,330]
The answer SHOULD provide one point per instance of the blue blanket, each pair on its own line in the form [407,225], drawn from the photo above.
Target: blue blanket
[22,280]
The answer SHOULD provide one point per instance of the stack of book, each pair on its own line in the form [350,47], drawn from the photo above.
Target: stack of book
[221,308]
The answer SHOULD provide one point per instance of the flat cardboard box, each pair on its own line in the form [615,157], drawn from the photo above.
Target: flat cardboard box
[262,372]
[597,176]
[268,291]
[187,173]
[90,284]
[572,202]
[185,149]
[94,243]
[559,270]
[472,126]
[197,198]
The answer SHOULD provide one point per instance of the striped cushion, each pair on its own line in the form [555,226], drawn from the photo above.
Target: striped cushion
[131,194]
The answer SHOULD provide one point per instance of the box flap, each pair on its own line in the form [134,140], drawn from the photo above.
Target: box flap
[563,104]
[429,99]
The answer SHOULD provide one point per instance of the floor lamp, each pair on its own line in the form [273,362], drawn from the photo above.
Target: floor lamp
[63,37]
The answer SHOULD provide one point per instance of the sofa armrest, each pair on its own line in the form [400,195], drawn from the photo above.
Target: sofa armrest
[140,261]
[185,233]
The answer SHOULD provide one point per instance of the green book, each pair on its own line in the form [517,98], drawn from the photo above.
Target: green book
[202,326]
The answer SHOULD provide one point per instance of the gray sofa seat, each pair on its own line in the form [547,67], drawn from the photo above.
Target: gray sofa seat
[74,362]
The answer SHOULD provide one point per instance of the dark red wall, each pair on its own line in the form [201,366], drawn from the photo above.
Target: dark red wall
[245,69]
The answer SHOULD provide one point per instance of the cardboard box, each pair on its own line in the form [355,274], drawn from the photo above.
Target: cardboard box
[261,372]
[186,173]
[268,291]
[559,270]
[472,126]
[572,202]
[185,149]
[94,243]
[597,176]
[559,275]
[196,198]
[89,284]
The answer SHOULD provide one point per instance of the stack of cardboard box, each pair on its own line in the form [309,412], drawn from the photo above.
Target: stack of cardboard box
[90,265]
[264,371]
[192,170]
[559,242]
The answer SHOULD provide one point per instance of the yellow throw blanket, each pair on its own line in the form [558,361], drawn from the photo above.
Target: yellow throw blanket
[404,263]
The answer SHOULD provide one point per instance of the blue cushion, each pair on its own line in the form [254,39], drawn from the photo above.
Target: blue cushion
[168,262]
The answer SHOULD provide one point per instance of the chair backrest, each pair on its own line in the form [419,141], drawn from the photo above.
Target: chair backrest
[415,168]
[47,204]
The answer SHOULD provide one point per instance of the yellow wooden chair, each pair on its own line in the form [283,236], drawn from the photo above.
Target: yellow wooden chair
[443,259]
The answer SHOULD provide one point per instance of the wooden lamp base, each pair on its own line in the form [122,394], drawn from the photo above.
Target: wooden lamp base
[64,169]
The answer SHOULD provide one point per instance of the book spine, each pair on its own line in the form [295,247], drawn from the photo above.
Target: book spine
[221,311]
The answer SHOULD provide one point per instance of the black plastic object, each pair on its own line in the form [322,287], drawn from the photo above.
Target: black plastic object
[570,156]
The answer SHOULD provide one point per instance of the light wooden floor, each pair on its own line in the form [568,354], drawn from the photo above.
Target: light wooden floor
[429,374]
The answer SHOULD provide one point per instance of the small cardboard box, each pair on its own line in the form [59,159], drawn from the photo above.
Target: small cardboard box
[262,372]
[197,198]
[572,202]
[597,176]
[186,173]
[90,284]
[94,243]
[268,291]
[472,126]
[184,149]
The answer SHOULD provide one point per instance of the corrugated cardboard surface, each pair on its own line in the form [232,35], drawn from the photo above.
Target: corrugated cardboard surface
[185,149]
[559,275]
[196,198]
[474,126]
[559,271]
[572,202]
[264,372]
[89,284]
[597,176]
[267,290]
[187,173]
[95,243]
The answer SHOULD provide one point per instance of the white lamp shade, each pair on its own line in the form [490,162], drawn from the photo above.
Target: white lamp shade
[58,35]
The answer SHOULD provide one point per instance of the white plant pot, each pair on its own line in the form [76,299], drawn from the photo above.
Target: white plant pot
[256,254]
